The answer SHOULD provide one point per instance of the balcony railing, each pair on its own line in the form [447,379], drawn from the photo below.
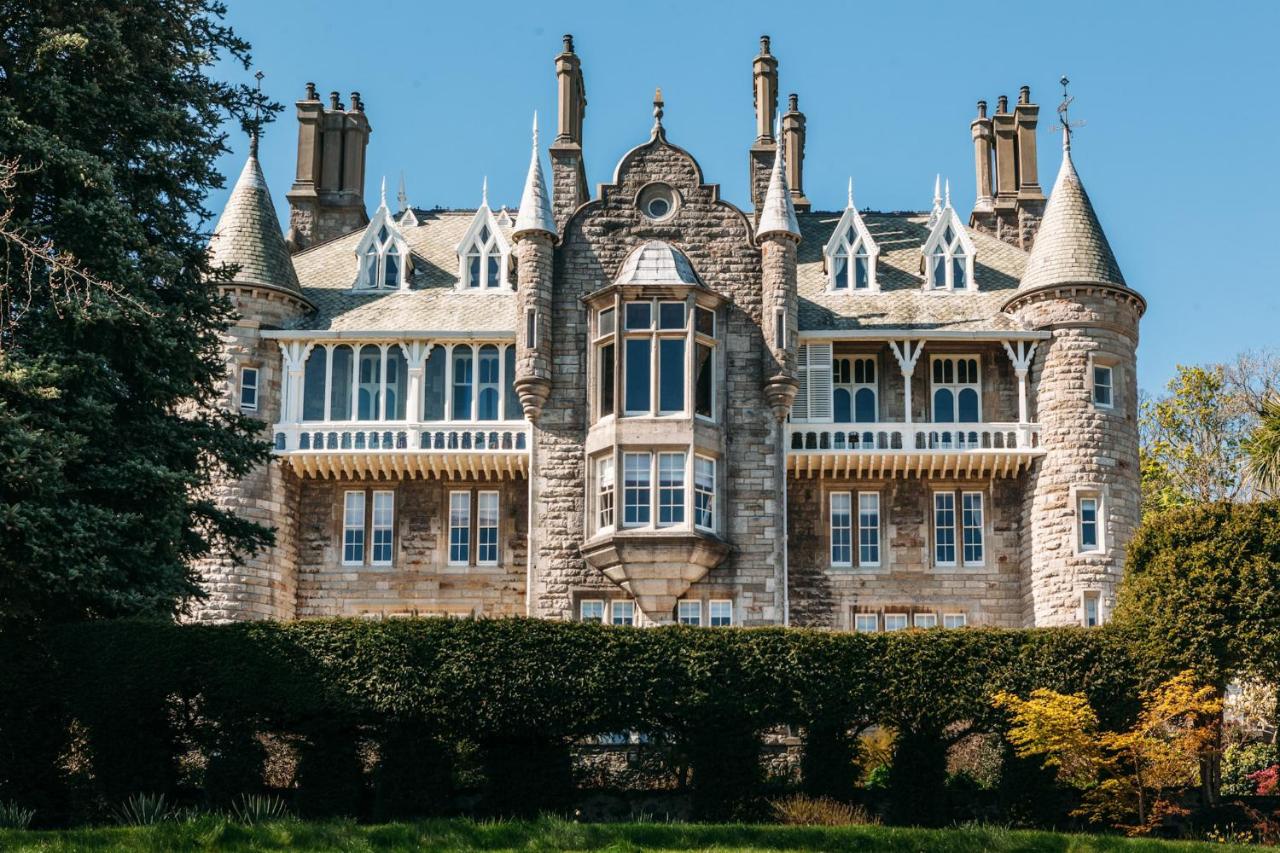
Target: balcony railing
[487,449]
[875,449]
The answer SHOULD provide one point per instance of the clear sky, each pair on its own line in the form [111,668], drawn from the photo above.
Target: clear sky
[1178,153]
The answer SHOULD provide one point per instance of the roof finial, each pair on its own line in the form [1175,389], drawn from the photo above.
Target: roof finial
[657,109]
[937,190]
[948,191]
[1065,124]
[851,191]
[402,197]
[384,190]
[535,131]
[256,128]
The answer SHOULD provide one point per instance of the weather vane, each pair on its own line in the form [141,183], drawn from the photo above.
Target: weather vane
[1066,125]
[256,126]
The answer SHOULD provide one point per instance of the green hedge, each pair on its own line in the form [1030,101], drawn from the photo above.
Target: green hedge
[143,697]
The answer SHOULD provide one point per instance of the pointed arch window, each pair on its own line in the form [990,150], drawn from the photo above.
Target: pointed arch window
[949,255]
[851,256]
[484,255]
[383,255]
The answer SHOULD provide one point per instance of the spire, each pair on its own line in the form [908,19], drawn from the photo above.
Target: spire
[850,204]
[384,192]
[535,203]
[936,211]
[778,213]
[248,233]
[484,192]
[1070,247]
[948,194]
[402,197]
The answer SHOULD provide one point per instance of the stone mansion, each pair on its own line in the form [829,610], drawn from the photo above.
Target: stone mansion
[644,405]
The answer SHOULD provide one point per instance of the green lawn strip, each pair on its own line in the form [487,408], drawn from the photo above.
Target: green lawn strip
[550,834]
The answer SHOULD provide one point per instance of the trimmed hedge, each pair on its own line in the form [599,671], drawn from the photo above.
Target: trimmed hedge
[519,692]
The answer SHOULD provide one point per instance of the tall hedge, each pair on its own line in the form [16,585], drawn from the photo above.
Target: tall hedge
[518,694]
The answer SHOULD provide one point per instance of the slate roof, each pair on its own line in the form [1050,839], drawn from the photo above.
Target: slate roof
[248,234]
[902,303]
[1070,247]
[433,303]
[328,271]
[656,262]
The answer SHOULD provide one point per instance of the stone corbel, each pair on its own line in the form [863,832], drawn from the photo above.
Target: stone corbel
[907,356]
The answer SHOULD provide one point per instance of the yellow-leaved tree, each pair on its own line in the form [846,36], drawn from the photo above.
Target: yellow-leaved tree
[1129,778]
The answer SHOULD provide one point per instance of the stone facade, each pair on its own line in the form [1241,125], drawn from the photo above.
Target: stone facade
[634,466]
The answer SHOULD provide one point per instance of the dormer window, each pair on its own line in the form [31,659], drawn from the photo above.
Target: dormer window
[948,254]
[851,254]
[382,254]
[484,254]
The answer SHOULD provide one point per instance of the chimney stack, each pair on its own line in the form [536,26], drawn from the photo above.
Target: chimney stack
[764,90]
[1014,213]
[327,196]
[793,134]
[568,172]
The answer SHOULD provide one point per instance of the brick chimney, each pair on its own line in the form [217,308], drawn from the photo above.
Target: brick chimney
[327,196]
[764,88]
[1010,202]
[793,133]
[568,172]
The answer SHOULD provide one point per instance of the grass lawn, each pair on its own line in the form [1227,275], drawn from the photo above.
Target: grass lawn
[551,834]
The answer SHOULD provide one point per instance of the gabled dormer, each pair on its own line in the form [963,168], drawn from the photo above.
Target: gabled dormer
[850,255]
[948,254]
[484,254]
[382,255]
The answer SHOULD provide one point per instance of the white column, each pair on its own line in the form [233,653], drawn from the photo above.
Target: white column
[416,353]
[328,381]
[907,355]
[1021,357]
[294,360]
[448,382]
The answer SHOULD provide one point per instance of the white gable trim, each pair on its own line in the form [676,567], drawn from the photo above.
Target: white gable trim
[949,217]
[382,217]
[484,216]
[851,217]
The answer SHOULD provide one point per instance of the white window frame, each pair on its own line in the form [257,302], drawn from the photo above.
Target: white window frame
[964,528]
[460,500]
[853,386]
[701,339]
[725,606]
[701,492]
[900,620]
[1094,367]
[866,623]
[655,334]
[379,526]
[875,529]
[663,469]
[606,493]
[1095,596]
[689,612]
[648,486]
[839,242]
[953,527]
[949,219]
[484,249]
[373,239]
[954,620]
[1090,494]
[481,498]
[250,386]
[956,386]
[353,522]
[845,528]
[924,621]
[593,604]
[622,612]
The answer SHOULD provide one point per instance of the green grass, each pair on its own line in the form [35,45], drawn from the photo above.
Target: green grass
[551,834]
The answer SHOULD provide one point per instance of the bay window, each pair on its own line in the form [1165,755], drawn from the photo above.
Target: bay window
[604,492]
[670,489]
[657,490]
[636,491]
[666,352]
[704,492]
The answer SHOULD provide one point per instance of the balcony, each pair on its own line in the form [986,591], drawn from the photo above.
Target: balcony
[488,450]
[902,450]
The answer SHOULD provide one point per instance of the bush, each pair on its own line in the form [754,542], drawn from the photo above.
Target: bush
[799,810]
[386,715]
[1240,760]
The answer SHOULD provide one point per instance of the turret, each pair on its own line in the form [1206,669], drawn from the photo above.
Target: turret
[327,197]
[1083,497]
[778,235]
[568,172]
[534,234]
[264,290]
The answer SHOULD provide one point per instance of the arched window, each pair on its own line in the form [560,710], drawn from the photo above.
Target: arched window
[436,385]
[956,390]
[944,406]
[851,255]
[382,254]
[340,383]
[949,254]
[369,390]
[462,381]
[484,254]
[488,385]
[397,383]
[854,389]
[313,379]
[513,409]
[865,406]
[843,406]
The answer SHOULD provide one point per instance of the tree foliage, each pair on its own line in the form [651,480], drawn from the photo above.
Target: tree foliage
[1202,591]
[110,368]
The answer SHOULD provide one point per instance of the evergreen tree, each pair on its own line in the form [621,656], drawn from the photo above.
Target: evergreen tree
[110,372]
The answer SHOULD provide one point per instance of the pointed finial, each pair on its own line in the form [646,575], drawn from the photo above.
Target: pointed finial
[535,130]
[402,197]
[253,143]
[948,191]
[937,190]
[657,108]
[851,191]
[484,192]
[1065,123]
[257,115]
[384,190]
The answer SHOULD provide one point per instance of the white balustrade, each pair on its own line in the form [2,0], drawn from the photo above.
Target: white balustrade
[925,437]
[397,437]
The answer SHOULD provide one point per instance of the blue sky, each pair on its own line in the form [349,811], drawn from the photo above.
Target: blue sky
[1178,154]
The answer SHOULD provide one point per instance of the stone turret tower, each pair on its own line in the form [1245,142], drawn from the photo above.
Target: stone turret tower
[1082,501]
[778,235]
[266,294]
[535,236]
[327,197]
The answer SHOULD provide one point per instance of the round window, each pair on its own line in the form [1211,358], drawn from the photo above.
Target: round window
[657,201]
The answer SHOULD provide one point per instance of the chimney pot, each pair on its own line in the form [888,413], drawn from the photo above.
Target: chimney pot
[356,104]
[793,102]
[1024,95]
[982,109]
[333,101]
[1002,104]
[311,92]
[764,45]
[568,42]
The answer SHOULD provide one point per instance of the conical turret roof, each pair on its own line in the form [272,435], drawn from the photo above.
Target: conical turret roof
[535,203]
[1070,247]
[248,234]
[778,213]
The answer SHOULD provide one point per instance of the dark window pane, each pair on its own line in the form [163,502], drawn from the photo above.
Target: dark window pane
[512,403]
[369,401]
[638,379]
[313,385]
[473,270]
[606,380]
[671,374]
[865,406]
[958,273]
[639,315]
[494,269]
[462,378]
[843,406]
[841,267]
[433,393]
[606,322]
[968,406]
[397,383]
[860,271]
[392,272]
[670,315]
[706,320]
[704,379]
[340,395]
[944,411]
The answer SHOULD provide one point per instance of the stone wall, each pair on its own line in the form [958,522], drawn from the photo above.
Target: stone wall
[907,579]
[420,580]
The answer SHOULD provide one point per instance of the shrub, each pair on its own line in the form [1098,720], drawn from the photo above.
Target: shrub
[1239,761]
[14,816]
[252,809]
[143,810]
[800,810]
